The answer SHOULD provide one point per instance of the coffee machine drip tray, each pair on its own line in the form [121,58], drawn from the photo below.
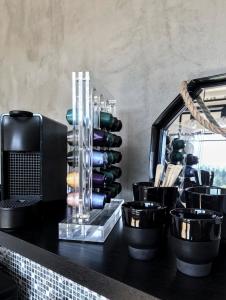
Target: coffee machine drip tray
[17,213]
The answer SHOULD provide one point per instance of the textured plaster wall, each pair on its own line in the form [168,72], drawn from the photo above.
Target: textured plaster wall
[139,50]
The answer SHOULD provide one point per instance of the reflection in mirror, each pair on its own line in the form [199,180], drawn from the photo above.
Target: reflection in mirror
[204,151]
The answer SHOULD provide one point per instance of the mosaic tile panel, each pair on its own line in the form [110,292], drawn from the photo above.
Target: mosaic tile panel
[36,282]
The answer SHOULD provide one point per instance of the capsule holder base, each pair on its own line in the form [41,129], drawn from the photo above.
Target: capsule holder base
[97,229]
[193,270]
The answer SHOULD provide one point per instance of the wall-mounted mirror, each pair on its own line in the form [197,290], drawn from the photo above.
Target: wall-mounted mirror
[203,154]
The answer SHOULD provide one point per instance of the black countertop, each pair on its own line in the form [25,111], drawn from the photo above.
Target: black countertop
[107,268]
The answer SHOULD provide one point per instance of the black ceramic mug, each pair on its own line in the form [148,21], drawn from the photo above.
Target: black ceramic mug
[166,196]
[208,197]
[143,226]
[145,191]
[196,235]
[140,190]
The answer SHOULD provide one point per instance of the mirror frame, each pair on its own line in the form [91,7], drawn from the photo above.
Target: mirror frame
[170,114]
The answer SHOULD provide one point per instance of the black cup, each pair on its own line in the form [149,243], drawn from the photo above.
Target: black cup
[196,237]
[208,197]
[143,227]
[166,196]
[140,190]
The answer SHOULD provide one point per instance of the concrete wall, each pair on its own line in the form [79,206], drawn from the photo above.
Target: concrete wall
[139,50]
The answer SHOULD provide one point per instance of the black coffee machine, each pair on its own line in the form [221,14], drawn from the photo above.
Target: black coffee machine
[33,165]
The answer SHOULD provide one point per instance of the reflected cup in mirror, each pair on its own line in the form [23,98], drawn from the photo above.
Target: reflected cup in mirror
[195,236]
[143,226]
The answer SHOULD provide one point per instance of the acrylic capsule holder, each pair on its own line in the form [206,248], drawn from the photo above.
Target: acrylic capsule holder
[85,222]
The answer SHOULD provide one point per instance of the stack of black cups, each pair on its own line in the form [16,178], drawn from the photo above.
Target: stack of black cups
[195,231]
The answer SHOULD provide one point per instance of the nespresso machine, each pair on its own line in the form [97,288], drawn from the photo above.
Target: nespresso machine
[33,165]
